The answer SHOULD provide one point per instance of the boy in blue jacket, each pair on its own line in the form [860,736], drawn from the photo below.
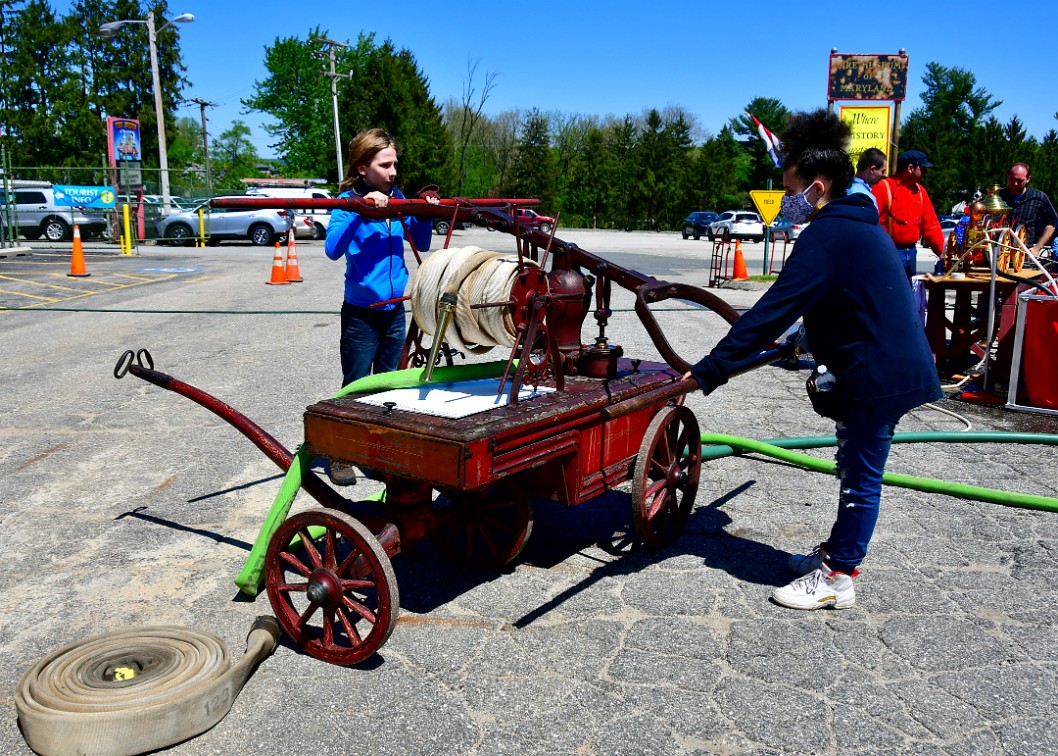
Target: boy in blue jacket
[846,280]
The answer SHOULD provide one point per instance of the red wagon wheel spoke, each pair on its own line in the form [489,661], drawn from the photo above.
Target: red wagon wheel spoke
[485,530]
[335,595]
[666,476]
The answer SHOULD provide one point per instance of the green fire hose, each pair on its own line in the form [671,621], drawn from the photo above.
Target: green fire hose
[778,448]
[250,579]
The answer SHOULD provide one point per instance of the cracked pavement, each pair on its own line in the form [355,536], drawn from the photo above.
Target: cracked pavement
[126,505]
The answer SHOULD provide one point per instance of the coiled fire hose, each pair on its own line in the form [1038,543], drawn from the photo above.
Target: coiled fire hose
[474,276]
[135,691]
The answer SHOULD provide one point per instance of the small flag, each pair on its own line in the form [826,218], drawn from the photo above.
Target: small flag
[771,142]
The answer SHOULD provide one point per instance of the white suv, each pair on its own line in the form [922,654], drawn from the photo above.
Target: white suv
[737,224]
[36,215]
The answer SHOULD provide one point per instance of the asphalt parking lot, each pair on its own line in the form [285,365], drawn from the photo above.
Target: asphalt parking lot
[125,505]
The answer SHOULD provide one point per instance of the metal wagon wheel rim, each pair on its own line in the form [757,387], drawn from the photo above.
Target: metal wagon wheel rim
[485,530]
[334,595]
[666,476]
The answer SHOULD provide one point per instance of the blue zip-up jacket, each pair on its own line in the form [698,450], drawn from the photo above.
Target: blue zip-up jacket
[374,253]
[845,278]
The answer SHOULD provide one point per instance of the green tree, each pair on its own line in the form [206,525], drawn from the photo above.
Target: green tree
[297,95]
[534,174]
[719,172]
[585,192]
[391,92]
[234,158]
[622,173]
[953,128]
[773,114]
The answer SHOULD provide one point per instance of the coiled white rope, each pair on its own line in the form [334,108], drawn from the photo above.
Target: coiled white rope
[475,276]
[135,691]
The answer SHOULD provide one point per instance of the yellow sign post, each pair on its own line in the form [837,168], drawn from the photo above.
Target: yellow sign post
[768,202]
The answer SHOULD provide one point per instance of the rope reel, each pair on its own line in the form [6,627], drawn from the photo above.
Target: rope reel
[475,276]
[135,691]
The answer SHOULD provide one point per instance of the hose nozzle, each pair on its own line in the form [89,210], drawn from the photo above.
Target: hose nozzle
[446,306]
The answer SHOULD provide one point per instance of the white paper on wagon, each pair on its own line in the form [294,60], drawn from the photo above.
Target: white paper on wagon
[454,400]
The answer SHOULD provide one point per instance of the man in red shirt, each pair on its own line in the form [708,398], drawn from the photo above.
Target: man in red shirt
[904,209]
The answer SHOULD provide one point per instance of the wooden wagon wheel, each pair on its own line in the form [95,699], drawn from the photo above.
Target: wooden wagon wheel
[666,476]
[484,530]
[335,595]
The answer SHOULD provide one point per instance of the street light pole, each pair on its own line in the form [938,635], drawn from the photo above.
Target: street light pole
[159,113]
[109,30]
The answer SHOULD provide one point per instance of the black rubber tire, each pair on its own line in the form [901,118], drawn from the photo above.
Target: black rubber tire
[262,235]
[56,230]
[545,228]
[319,232]
[180,234]
[440,227]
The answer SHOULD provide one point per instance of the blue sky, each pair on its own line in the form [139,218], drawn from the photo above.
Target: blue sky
[619,57]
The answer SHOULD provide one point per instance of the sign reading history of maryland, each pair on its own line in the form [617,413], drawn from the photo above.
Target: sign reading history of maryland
[867,77]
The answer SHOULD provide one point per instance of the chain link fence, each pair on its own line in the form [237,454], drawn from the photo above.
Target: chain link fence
[28,211]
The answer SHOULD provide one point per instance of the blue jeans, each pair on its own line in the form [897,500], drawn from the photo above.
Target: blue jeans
[372,340]
[863,448]
[907,259]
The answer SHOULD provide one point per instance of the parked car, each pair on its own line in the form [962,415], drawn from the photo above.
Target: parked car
[533,219]
[783,229]
[697,224]
[948,224]
[737,224]
[262,227]
[440,226]
[320,218]
[37,215]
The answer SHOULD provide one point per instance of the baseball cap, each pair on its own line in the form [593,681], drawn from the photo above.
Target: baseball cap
[914,157]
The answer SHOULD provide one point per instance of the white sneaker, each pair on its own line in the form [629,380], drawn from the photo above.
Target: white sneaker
[818,589]
[802,564]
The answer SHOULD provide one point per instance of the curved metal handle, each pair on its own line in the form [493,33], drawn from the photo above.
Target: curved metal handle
[659,291]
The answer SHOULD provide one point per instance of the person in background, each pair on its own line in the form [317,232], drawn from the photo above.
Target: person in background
[1030,207]
[861,324]
[905,211]
[372,337]
[870,169]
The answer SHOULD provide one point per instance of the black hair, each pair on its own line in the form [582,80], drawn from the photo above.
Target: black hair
[872,157]
[814,144]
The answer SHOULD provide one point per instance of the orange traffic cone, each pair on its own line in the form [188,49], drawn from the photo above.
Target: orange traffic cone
[292,271]
[740,263]
[279,277]
[77,267]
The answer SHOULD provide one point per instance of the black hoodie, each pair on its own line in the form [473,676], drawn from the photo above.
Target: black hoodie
[844,277]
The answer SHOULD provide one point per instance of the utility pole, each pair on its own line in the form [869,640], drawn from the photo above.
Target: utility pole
[202,105]
[334,76]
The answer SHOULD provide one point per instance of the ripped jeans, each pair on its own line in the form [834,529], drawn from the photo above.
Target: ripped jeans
[863,448]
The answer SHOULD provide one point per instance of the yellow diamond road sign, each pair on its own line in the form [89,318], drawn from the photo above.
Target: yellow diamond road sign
[767,202]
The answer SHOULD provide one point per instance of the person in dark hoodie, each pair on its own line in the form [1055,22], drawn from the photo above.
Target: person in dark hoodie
[860,322]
